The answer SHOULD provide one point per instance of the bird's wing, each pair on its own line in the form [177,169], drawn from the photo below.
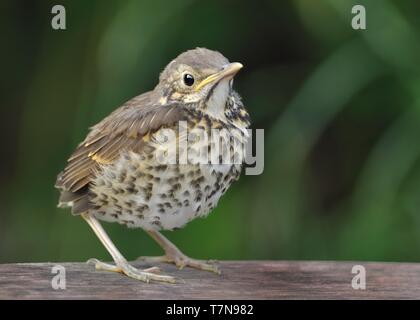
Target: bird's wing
[122,130]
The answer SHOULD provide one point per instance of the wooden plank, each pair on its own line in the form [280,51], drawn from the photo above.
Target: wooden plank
[239,280]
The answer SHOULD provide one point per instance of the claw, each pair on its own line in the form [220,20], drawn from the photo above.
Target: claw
[181,261]
[175,256]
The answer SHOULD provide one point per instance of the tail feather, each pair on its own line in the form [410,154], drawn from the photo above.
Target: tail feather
[78,200]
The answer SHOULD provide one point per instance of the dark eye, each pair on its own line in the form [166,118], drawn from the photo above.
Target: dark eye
[188,79]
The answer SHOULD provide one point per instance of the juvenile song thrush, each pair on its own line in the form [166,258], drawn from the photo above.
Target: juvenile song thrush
[119,174]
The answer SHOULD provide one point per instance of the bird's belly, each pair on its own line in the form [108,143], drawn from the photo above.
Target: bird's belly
[138,193]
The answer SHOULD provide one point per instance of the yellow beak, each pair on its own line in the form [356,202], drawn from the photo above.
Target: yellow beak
[228,71]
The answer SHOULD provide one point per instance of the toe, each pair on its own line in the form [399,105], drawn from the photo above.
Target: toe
[147,275]
[99,265]
[155,270]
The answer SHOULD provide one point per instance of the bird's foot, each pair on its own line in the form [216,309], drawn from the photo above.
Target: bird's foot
[146,275]
[181,261]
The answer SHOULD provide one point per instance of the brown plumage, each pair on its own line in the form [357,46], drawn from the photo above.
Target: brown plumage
[114,174]
[121,131]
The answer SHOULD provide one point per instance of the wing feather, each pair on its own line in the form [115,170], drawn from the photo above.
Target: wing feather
[122,130]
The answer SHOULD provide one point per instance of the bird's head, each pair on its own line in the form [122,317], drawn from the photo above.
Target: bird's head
[198,76]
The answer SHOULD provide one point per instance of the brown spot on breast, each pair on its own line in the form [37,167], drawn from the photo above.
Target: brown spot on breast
[176,187]
[129,203]
[122,176]
[162,167]
[139,174]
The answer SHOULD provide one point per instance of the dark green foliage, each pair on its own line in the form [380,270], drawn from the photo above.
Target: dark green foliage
[340,109]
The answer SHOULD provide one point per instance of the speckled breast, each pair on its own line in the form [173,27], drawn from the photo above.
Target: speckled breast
[139,191]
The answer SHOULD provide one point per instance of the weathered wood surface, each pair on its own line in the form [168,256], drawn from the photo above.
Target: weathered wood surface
[239,280]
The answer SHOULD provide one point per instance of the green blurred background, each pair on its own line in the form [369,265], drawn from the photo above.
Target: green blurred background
[340,109]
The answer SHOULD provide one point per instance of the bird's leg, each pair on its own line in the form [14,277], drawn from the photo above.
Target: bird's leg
[121,264]
[174,255]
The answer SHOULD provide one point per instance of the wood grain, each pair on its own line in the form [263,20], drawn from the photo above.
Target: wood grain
[239,280]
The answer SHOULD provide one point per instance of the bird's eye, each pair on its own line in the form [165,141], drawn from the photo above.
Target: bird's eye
[188,79]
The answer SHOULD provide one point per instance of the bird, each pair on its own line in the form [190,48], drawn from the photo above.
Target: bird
[124,172]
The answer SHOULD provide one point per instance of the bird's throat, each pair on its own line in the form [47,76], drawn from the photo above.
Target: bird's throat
[215,104]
